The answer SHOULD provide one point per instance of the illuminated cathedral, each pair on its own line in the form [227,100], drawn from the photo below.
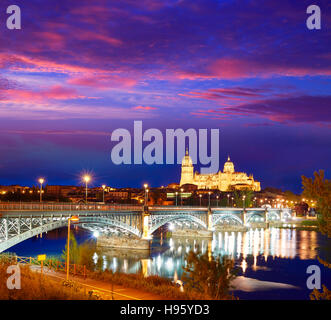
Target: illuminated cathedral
[228,180]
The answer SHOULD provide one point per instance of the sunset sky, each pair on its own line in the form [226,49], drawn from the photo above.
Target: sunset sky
[77,70]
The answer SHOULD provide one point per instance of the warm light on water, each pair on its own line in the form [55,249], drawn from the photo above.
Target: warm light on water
[270,243]
[272,261]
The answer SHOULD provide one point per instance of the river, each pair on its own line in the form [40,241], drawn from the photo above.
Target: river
[271,263]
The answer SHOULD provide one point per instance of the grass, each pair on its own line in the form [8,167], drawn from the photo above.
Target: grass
[153,284]
[35,286]
[309,223]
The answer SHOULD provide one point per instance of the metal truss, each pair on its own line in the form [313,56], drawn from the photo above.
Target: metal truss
[19,224]
[157,221]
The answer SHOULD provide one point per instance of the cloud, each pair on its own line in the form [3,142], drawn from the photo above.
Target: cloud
[145,108]
[103,81]
[56,92]
[56,132]
[301,109]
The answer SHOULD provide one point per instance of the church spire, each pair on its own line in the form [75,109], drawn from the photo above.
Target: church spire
[228,158]
[186,152]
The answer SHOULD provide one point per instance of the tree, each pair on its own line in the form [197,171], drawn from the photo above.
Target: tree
[73,250]
[209,275]
[319,190]
[86,253]
[238,198]
[301,209]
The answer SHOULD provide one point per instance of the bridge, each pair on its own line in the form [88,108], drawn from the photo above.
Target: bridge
[21,221]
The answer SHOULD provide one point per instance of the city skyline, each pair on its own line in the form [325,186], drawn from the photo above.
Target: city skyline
[69,80]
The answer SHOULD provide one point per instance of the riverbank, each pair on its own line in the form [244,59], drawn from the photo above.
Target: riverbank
[102,290]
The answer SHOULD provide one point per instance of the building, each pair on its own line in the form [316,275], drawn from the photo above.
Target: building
[62,190]
[228,180]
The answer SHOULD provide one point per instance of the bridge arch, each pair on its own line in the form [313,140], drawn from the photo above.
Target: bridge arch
[62,222]
[111,222]
[227,216]
[166,219]
[254,215]
[273,215]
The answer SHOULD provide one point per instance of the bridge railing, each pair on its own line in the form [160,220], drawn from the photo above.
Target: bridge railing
[65,206]
[49,206]
[49,264]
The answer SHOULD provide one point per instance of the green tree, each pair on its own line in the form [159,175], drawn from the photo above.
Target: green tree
[238,198]
[209,275]
[86,252]
[73,250]
[319,189]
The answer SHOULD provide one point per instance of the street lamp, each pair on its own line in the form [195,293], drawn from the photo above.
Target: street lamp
[103,193]
[73,219]
[244,197]
[147,190]
[200,195]
[86,178]
[41,181]
[145,186]
[176,197]
[209,199]
[181,196]
[217,201]
[232,198]
[228,199]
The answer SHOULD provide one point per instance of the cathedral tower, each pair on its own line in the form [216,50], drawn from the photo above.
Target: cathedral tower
[228,166]
[187,169]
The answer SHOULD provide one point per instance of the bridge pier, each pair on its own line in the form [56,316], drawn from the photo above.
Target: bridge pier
[209,220]
[244,215]
[266,219]
[124,242]
[145,224]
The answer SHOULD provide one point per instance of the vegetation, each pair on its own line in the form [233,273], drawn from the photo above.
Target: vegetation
[153,284]
[238,198]
[209,276]
[309,223]
[324,295]
[35,286]
[319,189]
[81,254]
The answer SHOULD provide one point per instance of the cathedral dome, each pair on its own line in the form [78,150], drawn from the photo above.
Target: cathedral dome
[187,161]
[228,166]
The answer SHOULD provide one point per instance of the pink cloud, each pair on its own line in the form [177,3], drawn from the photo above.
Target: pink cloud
[232,68]
[103,81]
[229,68]
[143,108]
[87,35]
[54,93]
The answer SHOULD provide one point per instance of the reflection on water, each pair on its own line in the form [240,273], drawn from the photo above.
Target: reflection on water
[269,257]
[247,248]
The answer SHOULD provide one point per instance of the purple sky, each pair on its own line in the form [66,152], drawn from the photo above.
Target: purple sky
[78,71]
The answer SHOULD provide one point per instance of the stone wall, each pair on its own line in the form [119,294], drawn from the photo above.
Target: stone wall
[192,233]
[123,242]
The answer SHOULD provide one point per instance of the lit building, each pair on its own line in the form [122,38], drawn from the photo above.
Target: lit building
[228,180]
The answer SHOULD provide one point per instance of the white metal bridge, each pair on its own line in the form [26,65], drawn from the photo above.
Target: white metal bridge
[21,221]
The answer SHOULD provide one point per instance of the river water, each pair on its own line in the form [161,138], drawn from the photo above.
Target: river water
[271,263]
